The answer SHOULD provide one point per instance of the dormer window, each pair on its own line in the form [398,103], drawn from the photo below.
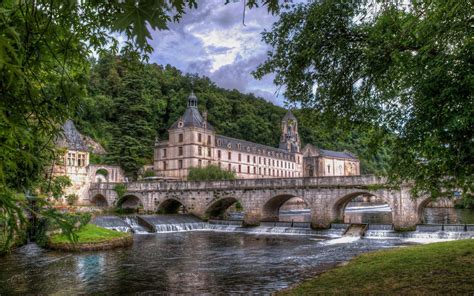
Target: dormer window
[229,146]
[238,146]
[180,124]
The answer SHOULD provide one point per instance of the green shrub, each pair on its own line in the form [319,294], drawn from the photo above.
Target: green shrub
[149,174]
[210,173]
[71,199]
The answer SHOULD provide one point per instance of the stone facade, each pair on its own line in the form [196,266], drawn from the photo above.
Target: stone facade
[193,142]
[74,163]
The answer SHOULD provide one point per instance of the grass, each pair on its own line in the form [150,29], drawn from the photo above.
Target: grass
[432,269]
[89,233]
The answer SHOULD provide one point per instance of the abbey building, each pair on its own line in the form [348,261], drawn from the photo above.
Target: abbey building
[193,142]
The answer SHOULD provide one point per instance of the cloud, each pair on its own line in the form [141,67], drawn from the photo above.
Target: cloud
[212,41]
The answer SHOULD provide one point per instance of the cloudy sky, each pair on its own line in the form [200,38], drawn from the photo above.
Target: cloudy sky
[212,41]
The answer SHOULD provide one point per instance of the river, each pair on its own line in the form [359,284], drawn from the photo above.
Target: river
[258,261]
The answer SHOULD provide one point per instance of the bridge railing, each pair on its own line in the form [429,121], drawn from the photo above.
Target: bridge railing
[247,183]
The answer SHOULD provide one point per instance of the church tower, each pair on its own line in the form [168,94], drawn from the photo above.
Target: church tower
[290,139]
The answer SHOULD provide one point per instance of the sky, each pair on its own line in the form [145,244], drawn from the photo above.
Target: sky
[212,41]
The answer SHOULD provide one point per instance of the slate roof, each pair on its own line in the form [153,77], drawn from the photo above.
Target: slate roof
[70,138]
[224,142]
[192,117]
[314,151]
[337,154]
[289,115]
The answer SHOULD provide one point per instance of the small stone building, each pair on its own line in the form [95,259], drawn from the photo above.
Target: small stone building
[74,163]
[193,142]
[319,162]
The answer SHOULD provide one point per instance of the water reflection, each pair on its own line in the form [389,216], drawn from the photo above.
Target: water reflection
[179,263]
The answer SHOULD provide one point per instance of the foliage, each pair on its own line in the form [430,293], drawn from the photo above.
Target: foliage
[209,173]
[66,224]
[149,174]
[89,233]
[164,90]
[120,189]
[55,188]
[417,270]
[44,50]
[404,67]
[71,199]
[102,172]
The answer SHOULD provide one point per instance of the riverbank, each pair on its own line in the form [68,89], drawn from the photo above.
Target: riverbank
[91,238]
[446,267]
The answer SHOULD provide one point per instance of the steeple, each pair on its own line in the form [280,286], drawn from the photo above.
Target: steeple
[290,139]
[192,100]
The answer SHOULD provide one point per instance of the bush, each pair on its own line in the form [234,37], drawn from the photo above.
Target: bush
[210,173]
[71,199]
[149,174]
[47,226]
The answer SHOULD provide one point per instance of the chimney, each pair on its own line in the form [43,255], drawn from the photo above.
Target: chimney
[204,116]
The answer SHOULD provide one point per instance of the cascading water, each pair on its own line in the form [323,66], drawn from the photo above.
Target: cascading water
[112,222]
[136,228]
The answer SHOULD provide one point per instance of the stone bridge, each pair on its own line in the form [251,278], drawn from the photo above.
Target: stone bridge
[261,199]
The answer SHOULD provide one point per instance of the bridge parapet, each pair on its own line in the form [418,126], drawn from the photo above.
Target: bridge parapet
[341,181]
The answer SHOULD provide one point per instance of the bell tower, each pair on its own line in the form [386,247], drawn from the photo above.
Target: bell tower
[290,139]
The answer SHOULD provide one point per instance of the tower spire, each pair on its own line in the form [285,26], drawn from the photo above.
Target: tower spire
[192,100]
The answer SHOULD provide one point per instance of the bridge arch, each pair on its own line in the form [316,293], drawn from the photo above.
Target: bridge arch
[171,206]
[99,200]
[130,201]
[218,208]
[101,174]
[271,208]
[341,203]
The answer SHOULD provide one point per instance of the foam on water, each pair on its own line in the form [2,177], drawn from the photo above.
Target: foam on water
[341,240]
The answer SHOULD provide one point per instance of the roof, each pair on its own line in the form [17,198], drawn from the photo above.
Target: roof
[246,146]
[191,116]
[70,138]
[289,115]
[337,154]
[312,151]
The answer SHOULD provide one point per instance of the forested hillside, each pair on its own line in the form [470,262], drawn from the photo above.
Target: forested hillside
[130,103]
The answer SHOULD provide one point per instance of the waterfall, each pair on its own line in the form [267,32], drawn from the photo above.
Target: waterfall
[112,222]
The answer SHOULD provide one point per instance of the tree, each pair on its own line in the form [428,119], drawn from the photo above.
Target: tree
[44,50]
[406,68]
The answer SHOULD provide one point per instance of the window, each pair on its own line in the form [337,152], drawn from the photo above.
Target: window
[81,159]
[329,168]
[180,164]
[199,150]
[240,169]
[208,163]
[264,171]
[180,124]
[180,138]
[208,140]
[240,157]
[199,163]
[199,138]
[254,170]
[164,166]
[265,161]
[71,159]
[254,159]
[259,160]
[209,152]
[180,151]
[273,162]
[229,166]
[164,153]
[248,169]
[248,158]
[229,155]
[238,146]
[219,154]
[259,171]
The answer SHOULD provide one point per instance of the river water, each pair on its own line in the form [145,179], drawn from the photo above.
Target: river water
[219,260]
[180,263]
